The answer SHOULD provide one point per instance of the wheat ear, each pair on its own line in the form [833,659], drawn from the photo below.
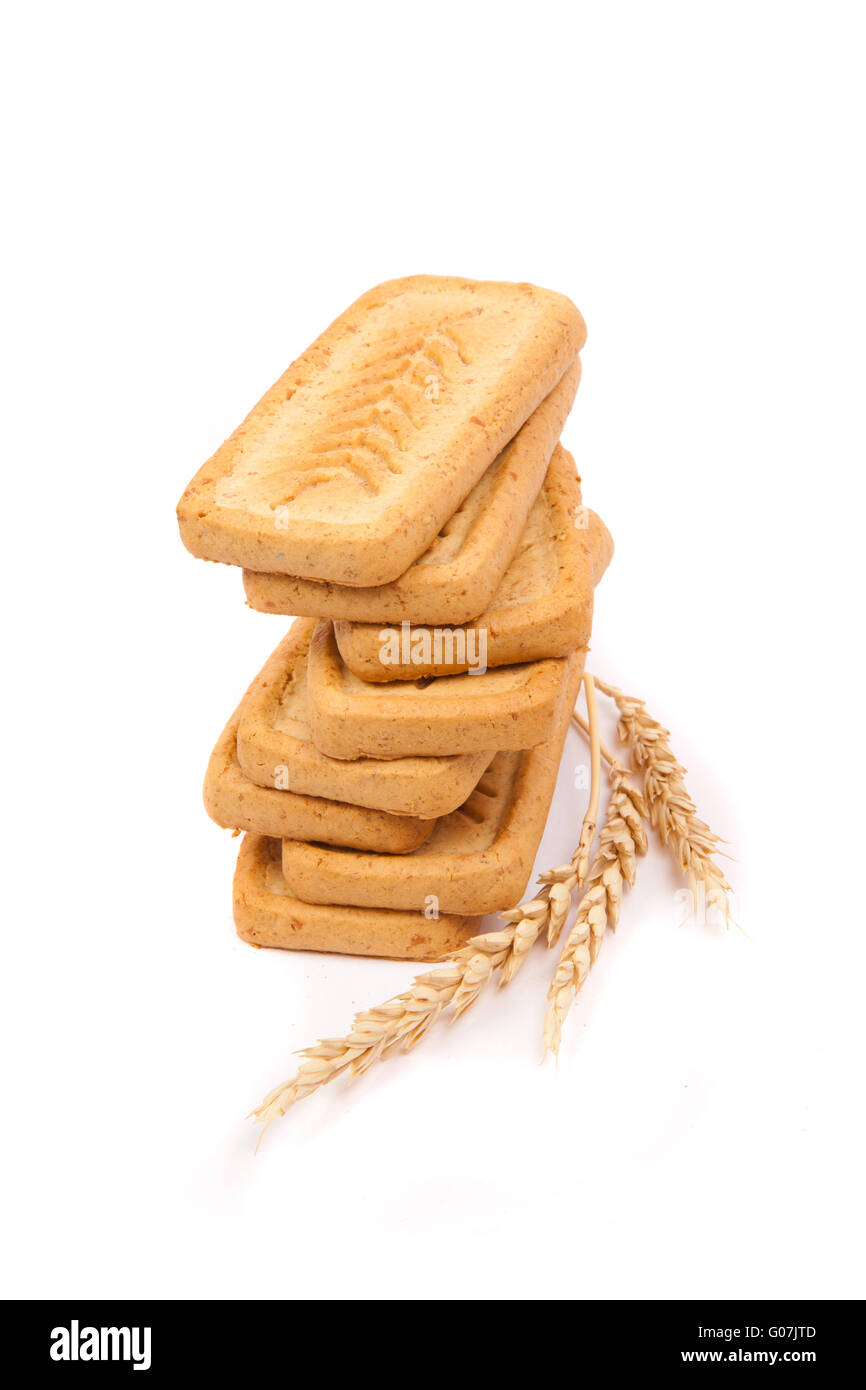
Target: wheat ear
[671,810]
[457,982]
[621,840]
[404,1020]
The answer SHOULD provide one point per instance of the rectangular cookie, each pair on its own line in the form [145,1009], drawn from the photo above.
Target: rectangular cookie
[542,608]
[350,464]
[275,748]
[236,803]
[477,860]
[510,707]
[458,573]
[266,914]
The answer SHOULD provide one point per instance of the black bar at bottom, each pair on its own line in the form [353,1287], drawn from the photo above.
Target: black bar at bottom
[256,1338]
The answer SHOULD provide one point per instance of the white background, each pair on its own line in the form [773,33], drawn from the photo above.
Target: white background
[193,193]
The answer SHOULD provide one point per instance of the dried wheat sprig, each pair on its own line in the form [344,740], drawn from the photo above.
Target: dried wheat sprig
[590,820]
[552,906]
[671,810]
[403,1020]
[560,883]
[457,982]
[621,840]
[548,909]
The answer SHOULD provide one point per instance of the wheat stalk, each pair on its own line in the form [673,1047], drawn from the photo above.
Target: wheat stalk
[456,983]
[671,810]
[621,840]
[590,820]
[404,1020]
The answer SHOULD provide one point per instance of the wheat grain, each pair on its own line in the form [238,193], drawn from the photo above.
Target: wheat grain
[404,1020]
[621,840]
[671,810]
[456,983]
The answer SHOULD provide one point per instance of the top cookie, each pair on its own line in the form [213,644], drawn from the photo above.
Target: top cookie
[350,464]
[459,572]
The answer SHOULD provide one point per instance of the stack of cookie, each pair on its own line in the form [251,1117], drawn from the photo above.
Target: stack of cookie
[401,490]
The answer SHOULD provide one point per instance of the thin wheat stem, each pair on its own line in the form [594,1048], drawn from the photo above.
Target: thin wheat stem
[590,820]
[581,723]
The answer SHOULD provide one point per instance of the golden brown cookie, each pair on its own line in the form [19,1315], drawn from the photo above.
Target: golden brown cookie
[477,860]
[236,803]
[267,915]
[275,748]
[458,573]
[351,463]
[542,608]
[509,707]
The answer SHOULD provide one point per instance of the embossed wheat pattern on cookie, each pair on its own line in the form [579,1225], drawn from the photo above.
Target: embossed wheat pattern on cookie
[374,422]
